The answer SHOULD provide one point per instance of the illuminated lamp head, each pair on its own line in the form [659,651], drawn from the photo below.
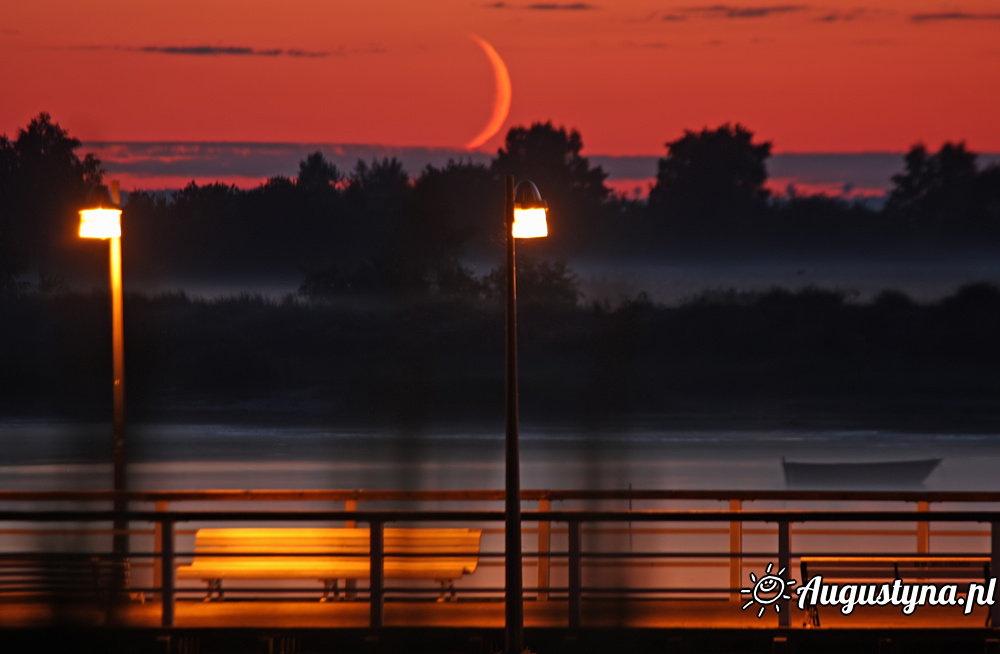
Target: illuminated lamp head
[102,217]
[529,212]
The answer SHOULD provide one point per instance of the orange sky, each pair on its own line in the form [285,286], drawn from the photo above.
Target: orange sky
[628,74]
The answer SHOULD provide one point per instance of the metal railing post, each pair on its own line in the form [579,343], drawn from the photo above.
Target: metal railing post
[735,551]
[994,572]
[574,574]
[377,575]
[350,585]
[784,563]
[544,541]
[923,530]
[167,561]
[161,507]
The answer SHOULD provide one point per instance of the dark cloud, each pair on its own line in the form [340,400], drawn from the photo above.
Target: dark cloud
[952,15]
[674,17]
[205,160]
[841,16]
[728,11]
[213,51]
[252,160]
[545,6]
[556,6]
[235,51]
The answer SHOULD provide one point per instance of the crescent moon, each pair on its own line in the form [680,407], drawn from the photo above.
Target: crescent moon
[501,104]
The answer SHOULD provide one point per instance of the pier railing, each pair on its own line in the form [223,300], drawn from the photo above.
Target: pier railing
[583,545]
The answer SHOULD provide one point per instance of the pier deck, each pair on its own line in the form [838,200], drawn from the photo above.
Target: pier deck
[668,577]
[638,614]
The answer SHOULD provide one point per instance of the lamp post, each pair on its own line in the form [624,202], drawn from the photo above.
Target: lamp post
[102,219]
[524,218]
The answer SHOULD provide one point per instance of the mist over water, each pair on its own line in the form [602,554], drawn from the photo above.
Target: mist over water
[671,280]
[55,456]
[924,279]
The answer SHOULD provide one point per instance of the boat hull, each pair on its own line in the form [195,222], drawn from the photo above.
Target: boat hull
[874,473]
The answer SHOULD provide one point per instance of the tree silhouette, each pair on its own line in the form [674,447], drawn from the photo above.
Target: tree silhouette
[550,157]
[988,193]
[540,283]
[711,175]
[935,187]
[43,184]
[456,205]
[375,255]
[315,172]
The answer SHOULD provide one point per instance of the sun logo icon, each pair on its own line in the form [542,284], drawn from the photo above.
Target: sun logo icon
[768,590]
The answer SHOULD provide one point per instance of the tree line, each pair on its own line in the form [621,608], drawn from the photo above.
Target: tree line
[725,357]
[377,228]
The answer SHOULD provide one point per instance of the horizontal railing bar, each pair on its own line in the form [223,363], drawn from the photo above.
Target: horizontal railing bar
[952,533]
[496,516]
[745,555]
[650,564]
[682,589]
[665,531]
[85,556]
[252,516]
[75,532]
[435,591]
[846,532]
[605,532]
[528,495]
[362,591]
[794,515]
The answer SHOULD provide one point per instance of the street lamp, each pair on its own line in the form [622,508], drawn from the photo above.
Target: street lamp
[102,219]
[524,217]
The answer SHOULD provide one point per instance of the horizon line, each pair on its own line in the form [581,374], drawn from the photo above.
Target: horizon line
[460,150]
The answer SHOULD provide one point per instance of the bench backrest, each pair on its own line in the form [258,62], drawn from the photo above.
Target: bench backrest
[456,545]
[889,568]
[249,540]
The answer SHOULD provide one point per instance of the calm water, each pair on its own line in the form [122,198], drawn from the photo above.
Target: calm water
[926,277]
[38,455]
[41,455]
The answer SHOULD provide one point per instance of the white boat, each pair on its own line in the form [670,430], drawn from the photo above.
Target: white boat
[860,473]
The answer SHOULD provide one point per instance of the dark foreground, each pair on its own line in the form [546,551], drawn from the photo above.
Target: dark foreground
[477,627]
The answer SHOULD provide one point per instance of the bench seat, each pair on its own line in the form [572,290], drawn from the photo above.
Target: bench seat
[886,569]
[330,554]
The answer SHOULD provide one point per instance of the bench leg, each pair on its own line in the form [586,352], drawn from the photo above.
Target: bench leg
[214,586]
[328,585]
[447,585]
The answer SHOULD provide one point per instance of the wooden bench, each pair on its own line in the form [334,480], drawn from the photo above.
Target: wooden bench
[65,577]
[330,554]
[886,569]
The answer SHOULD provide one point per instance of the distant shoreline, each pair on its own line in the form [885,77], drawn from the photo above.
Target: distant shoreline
[773,414]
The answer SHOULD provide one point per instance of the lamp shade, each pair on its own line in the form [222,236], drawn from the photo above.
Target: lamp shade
[102,217]
[529,212]
[530,223]
[100,223]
